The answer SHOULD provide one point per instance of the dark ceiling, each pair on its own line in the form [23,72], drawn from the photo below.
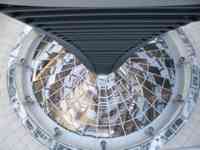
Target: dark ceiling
[104,35]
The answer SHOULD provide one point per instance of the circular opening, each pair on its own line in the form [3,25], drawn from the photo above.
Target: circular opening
[110,105]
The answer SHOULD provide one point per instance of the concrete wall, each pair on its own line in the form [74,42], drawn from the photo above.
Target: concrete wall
[13,136]
[190,134]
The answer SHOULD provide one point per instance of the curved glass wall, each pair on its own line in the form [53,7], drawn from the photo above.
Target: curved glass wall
[110,105]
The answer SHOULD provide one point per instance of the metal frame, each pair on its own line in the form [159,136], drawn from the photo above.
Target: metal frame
[67,139]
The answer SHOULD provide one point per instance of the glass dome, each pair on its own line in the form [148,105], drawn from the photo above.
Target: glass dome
[112,105]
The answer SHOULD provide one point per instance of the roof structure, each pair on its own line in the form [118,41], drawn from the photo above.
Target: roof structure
[104,34]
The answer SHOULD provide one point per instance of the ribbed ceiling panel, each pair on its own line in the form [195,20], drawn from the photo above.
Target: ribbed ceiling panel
[104,35]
